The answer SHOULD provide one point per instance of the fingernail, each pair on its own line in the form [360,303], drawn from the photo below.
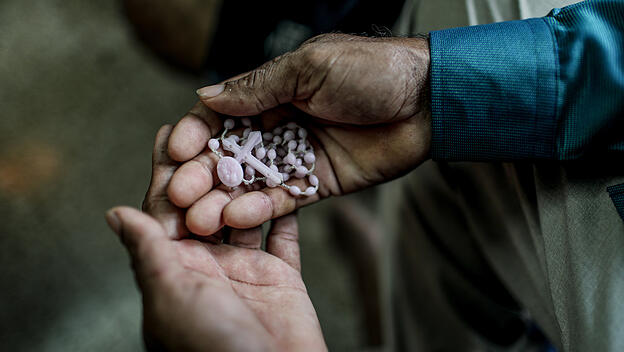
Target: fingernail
[113,221]
[210,91]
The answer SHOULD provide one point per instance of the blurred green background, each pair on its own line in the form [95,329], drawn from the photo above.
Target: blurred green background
[80,102]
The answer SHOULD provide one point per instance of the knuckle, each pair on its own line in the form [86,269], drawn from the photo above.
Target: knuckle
[287,236]
[267,203]
[321,38]
[313,40]
[152,205]
[254,79]
[205,164]
[259,104]
[315,57]
[145,206]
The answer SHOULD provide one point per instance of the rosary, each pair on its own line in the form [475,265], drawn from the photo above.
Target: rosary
[287,153]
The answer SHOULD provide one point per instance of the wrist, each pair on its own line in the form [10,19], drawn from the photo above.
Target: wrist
[420,70]
[421,123]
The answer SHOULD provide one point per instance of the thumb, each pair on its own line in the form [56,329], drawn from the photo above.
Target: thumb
[272,84]
[152,252]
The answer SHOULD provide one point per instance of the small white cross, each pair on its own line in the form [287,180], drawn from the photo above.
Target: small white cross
[243,155]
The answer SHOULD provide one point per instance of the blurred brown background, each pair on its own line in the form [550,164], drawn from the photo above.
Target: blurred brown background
[81,98]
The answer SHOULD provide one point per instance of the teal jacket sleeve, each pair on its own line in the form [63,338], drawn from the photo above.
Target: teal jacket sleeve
[542,88]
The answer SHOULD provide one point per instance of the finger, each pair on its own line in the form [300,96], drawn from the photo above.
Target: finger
[247,210]
[152,253]
[205,217]
[193,179]
[248,238]
[190,135]
[283,240]
[254,208]
[156,202]
[162,166]
[270,85]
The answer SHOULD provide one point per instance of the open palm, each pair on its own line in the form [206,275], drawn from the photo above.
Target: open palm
[200,295]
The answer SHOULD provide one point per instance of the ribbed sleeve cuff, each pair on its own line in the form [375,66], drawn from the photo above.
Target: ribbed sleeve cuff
[494,92]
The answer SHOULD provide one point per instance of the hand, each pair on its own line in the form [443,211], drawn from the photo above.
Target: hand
[200,296]
[363,100]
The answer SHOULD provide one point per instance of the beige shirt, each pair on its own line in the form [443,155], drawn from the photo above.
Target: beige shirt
[426,15]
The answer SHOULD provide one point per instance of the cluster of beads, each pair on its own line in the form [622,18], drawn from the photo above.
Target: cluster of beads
[272,157]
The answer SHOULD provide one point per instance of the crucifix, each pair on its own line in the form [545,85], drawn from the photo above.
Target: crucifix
[229,168]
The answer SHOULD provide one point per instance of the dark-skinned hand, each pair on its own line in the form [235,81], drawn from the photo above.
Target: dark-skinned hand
[363,100]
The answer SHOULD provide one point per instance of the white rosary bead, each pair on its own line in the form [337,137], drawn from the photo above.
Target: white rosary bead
[250,171]
[294,190]
[213,144]
[246,121]
[309,158]
[278,130]
[292,145]
[310,191]
[267,136]
[277,139]
[271,154]
[300,171]
[260,153]
[290,159]
[271,183]
[302,133]
[289,135]
[313,180]
[228,124]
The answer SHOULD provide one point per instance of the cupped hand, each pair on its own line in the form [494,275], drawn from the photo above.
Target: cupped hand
[201,296]
[363,100]
[337,77]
